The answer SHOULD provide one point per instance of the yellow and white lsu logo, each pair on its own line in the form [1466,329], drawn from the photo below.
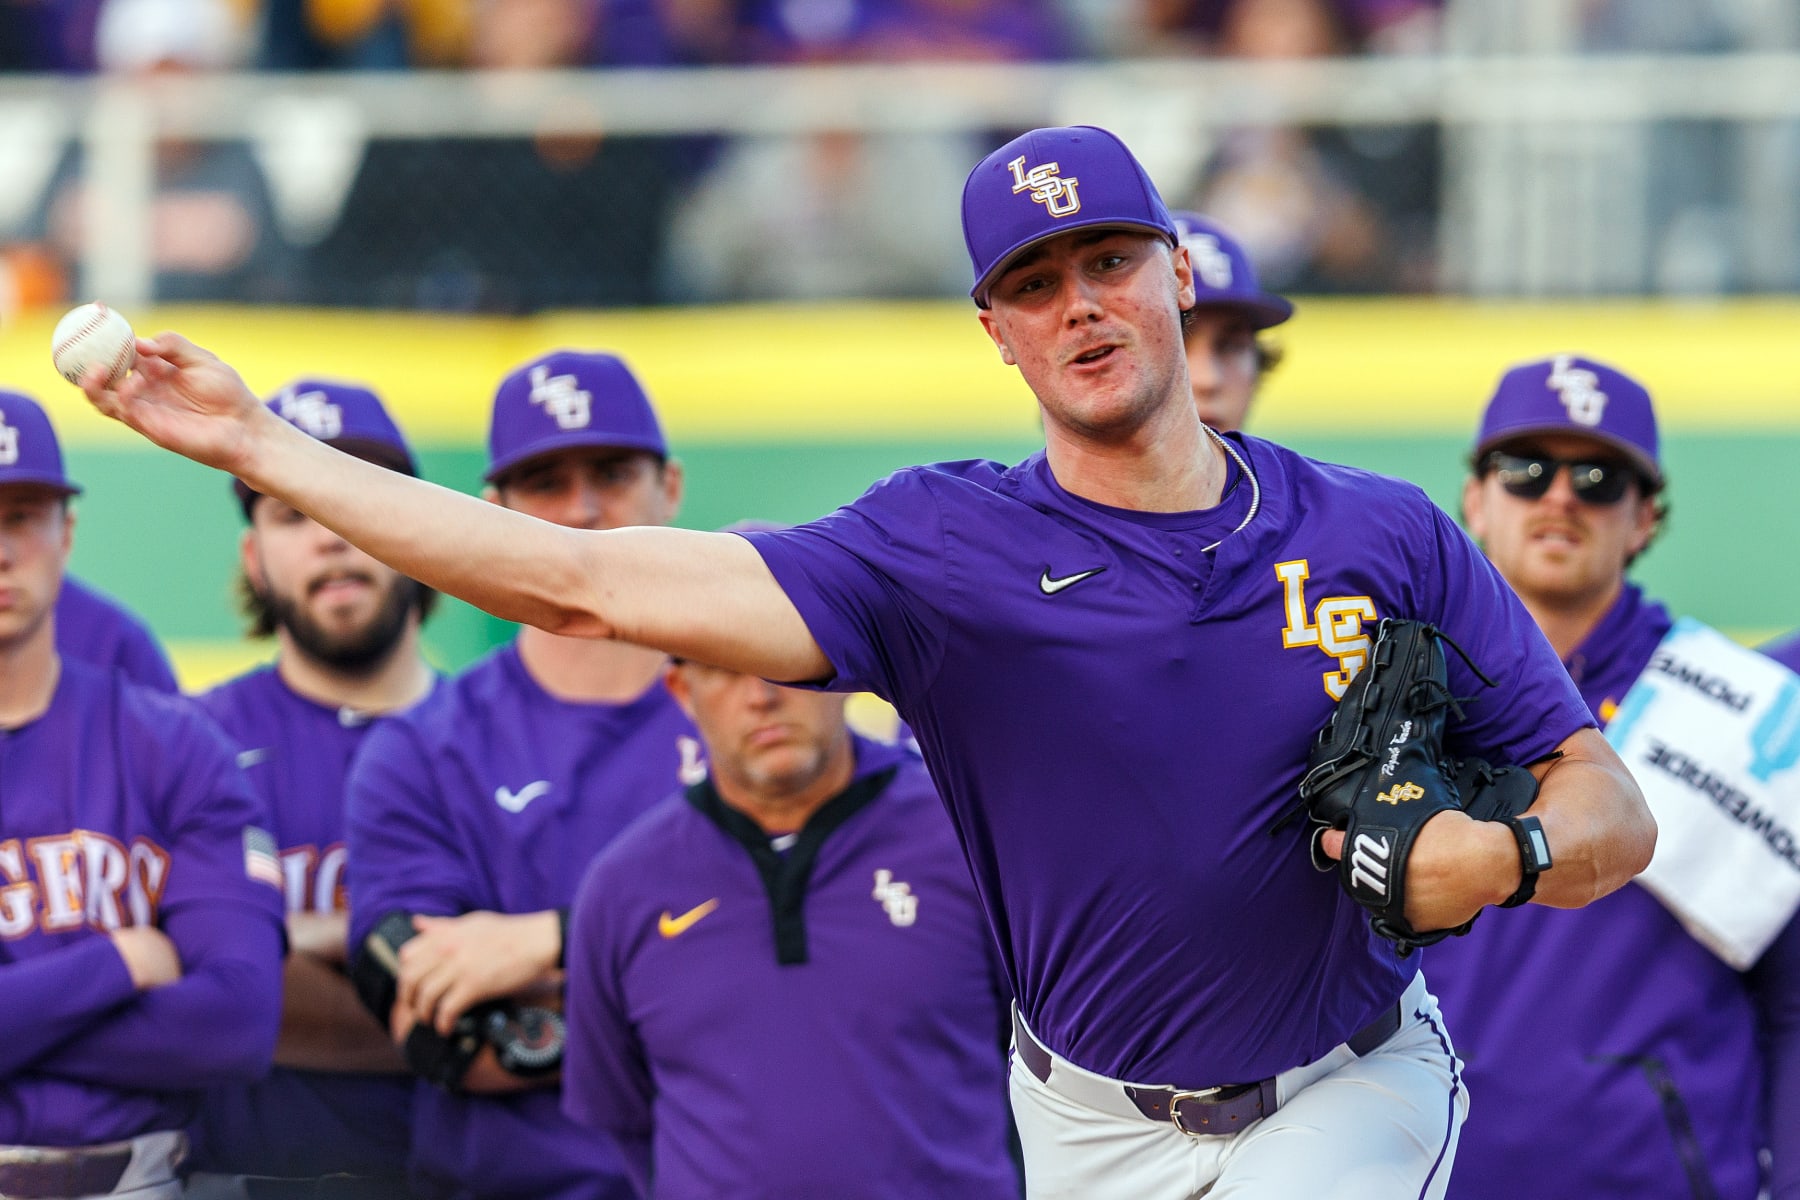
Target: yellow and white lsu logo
[1046,186]
[1334,625]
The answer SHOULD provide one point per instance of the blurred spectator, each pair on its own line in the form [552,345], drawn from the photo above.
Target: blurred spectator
[1205,26]
[1340,209]
[900,30]
[47,35]
[212,229]
[364,35]
[510,224]
[827,216]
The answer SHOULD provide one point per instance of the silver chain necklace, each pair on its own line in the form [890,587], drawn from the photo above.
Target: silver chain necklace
[1255,488]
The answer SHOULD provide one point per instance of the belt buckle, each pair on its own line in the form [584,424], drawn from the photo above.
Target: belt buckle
[1204,1095]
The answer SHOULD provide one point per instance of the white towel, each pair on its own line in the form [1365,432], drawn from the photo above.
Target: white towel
[1711,731]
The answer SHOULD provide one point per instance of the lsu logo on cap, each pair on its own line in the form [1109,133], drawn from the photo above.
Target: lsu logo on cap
[1047,187]
[9,444]
[566,404]
[313,412]
[1579,390]
[1213,264]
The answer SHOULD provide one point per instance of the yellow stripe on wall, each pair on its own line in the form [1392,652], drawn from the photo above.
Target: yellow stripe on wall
[871,371]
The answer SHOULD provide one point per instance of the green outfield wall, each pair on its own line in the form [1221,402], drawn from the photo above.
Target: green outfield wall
[784,412]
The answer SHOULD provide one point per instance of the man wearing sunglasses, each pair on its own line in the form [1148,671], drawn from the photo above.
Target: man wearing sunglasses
[1606,1047]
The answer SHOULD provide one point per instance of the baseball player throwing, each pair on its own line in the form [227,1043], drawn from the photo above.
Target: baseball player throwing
[1115,655]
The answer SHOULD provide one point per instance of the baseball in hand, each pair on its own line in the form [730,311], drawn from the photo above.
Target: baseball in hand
[90,336]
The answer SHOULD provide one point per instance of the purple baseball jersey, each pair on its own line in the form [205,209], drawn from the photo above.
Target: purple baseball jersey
[1610,1054]
[122,806]
[1116,715]
[298,753]
[95,628]
[493,795]
[869,1063]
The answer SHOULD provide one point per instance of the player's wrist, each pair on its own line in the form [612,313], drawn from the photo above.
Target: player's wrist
[1532,846]
[1502,869]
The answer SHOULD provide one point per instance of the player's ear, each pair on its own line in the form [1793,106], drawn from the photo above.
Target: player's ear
[1645,525]
[675,679]
[1184,277]
[991,323]
[1474,513]
[250,559]
[674,483]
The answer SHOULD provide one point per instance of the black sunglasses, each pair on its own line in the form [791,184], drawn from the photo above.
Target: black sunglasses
[1529,476]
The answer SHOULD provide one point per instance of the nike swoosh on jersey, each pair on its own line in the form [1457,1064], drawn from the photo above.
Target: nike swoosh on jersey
[514,802]
[671,926]
[1050,586]
[249,758]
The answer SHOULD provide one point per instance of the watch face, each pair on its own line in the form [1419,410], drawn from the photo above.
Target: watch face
[1534,847]
[527,1039]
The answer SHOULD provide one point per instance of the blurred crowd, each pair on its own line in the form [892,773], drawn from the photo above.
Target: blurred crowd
[522,224]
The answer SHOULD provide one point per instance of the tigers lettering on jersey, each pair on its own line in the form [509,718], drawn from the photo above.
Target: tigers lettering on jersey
[79,878]
[1334,625]
[313,880]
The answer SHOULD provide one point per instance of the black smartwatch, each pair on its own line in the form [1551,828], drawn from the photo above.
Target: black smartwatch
[1534,857]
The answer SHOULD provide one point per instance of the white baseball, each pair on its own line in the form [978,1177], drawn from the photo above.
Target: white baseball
[93,335]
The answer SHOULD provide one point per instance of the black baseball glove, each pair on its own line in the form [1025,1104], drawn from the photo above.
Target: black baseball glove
[1378,771]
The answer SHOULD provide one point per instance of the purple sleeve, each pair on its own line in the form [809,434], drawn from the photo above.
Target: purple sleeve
[1786,651]
[606,1080]
[143,660]
[55,996]
[1776,981]
[402,852]
[847,574]
[216,1025]
[1533,706]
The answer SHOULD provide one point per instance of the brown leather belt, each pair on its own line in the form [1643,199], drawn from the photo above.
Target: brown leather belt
[54,1173]
[1214,1110]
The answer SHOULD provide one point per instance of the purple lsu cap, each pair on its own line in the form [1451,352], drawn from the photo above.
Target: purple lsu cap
[1047,182]
[1223,276]
[345,415]
[29,453]
[1572,395]
[569,399]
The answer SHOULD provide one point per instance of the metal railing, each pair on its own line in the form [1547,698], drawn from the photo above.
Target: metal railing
[1549,164]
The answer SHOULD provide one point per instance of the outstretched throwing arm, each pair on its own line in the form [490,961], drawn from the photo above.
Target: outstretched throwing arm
[705,596]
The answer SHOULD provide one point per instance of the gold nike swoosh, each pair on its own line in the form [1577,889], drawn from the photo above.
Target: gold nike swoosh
[670,926]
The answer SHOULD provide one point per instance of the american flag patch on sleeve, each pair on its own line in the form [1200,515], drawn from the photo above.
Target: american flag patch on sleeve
[262,859]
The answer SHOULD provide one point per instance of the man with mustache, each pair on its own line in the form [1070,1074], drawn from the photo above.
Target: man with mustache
[1606,1046]
[473,817]
[854,1052]
[347,632]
